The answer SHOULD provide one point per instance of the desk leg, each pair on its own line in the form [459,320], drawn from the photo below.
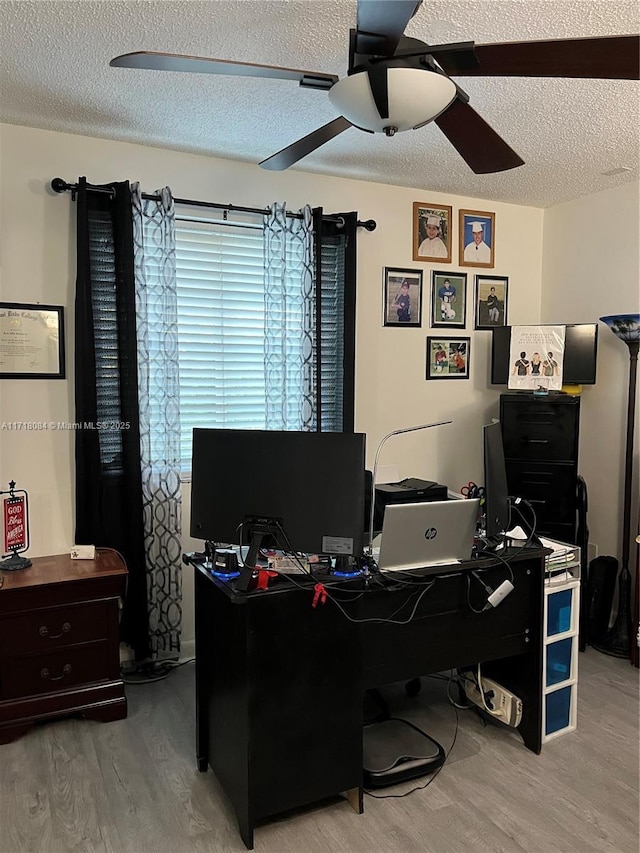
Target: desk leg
[203,674]
[532,739]
[245,825]
[355,799]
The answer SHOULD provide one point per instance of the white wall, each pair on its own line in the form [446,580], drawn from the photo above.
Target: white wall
[591,268]
[37,248]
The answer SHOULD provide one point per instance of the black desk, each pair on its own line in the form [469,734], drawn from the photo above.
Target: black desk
[279,684]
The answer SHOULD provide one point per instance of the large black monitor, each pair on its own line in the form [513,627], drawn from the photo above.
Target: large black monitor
[296,491]
[497,506]
[580,352]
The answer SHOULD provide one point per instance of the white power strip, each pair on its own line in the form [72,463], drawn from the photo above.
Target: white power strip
[498,701]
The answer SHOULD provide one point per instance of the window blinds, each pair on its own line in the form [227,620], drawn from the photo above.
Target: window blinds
[221,313]
[220,328]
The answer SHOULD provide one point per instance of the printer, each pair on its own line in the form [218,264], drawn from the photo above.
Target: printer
[410,490]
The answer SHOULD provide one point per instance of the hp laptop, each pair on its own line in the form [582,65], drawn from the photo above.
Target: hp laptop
[422,535]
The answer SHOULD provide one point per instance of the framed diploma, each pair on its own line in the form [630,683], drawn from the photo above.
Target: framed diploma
[31,341]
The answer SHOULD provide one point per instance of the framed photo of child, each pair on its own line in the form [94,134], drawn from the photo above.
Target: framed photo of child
[402,304]
[491,301]
[432,225]
[448,299]
[476,238]
[448,358]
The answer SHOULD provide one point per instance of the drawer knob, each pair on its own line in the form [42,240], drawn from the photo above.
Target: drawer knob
[45,673]
[44,631]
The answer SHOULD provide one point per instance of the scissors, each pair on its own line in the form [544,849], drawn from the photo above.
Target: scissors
[471,490]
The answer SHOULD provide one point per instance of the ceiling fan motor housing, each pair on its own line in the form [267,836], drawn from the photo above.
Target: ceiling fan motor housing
[416,95]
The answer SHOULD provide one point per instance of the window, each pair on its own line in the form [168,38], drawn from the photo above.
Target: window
[222,334]
[220,327]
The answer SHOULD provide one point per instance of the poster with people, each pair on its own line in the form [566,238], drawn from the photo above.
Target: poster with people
[535,358]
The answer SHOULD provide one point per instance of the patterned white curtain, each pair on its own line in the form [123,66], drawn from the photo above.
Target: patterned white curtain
[290,320]
[159,398]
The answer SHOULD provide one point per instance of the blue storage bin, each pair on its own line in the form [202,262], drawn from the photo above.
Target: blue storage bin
[558,710]
[559,612]
[559,656]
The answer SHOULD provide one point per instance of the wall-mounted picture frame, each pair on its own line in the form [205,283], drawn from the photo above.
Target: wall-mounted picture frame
[448,358]
[402,304]
[432,232]
[491,295]
[448,299]
[31,341]
[477,238]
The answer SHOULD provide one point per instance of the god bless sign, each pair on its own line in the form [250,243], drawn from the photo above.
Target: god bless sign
[15,524]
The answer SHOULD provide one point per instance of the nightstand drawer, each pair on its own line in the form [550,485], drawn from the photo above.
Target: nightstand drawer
[59,670]
[51,628]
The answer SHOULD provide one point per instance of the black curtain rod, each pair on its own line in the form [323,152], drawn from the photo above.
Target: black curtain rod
[58,185]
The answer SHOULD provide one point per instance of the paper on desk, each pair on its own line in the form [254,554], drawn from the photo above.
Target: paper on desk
[559,548]
[517,533]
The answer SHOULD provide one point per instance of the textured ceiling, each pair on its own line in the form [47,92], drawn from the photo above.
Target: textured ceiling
[55,74]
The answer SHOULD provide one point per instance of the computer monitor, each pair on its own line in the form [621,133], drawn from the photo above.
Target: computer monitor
[580,354]
[296,491]
[497,505]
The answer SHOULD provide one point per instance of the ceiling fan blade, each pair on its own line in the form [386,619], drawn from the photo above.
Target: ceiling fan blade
[477,143]
[292,153]
[381,23]
[153,61]
[606,58]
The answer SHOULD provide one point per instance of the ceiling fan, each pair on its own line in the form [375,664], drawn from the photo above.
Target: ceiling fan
[397,83]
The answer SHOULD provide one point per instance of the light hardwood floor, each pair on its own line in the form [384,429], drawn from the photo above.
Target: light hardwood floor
[132,786]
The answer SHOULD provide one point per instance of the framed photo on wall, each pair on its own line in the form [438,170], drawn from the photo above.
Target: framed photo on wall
[31,341]
[448,358]
[448,299]
[432,226]
[477,238]
[491,292]
[402,304]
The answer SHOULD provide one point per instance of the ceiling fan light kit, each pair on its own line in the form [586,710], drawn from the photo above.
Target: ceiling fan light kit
[396,82]
[416,96]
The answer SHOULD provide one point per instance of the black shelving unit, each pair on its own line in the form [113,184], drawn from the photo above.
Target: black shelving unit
[540,437]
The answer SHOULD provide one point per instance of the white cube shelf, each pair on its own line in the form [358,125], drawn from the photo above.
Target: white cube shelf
[560,658]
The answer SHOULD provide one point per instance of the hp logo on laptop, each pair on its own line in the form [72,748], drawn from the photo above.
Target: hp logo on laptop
[430,533]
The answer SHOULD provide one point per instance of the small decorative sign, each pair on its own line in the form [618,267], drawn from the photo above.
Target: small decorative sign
[15,524]
[16,529]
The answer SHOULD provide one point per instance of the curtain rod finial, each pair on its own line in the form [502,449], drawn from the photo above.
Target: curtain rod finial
[59,186]
[369,225]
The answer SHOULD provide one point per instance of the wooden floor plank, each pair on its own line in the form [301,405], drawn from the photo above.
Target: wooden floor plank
[132,786]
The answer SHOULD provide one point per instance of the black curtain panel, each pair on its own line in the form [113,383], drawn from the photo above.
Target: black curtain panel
[108,477]
[335,248]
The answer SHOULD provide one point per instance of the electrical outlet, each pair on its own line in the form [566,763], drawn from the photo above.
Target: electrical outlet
[83,552]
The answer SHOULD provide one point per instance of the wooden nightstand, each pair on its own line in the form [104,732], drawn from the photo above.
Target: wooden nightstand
[59,642]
